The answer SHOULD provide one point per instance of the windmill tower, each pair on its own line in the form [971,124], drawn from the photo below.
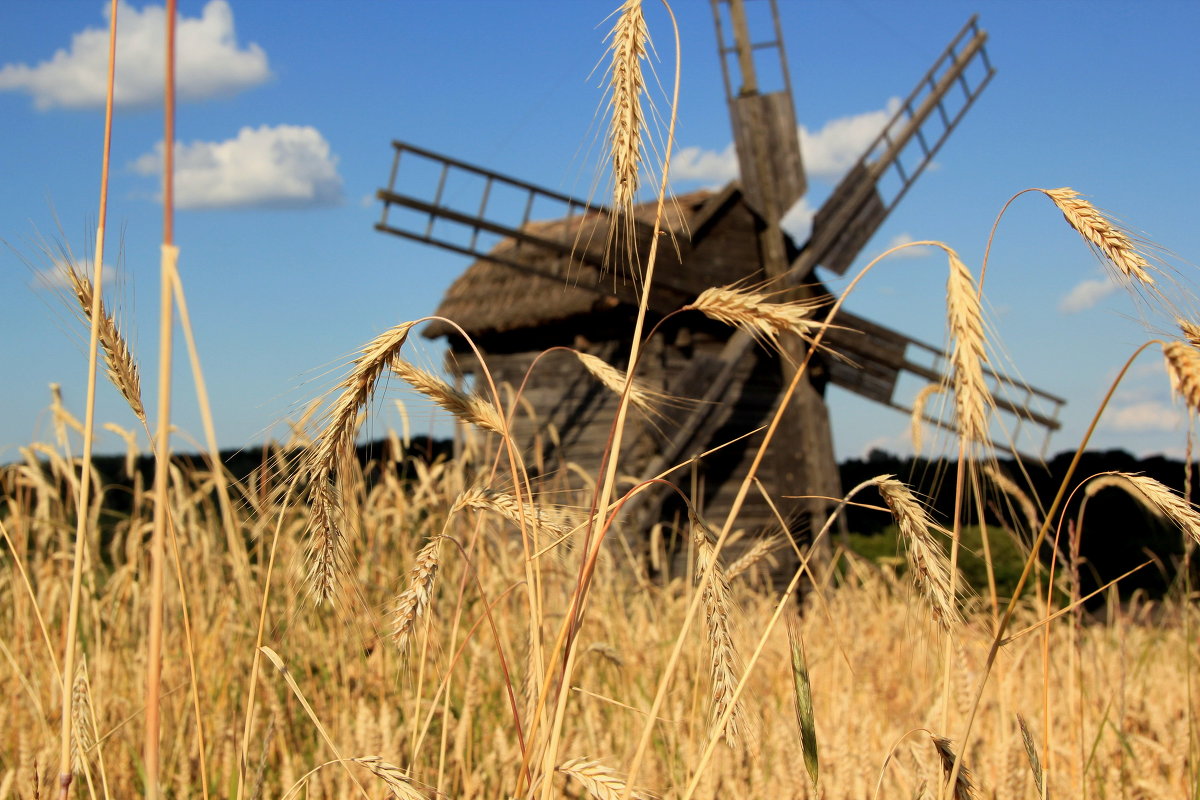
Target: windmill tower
[537,281]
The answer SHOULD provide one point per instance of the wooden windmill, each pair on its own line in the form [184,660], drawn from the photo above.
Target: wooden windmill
[538,281]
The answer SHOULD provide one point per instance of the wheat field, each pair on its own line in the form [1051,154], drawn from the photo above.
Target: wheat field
[328,626]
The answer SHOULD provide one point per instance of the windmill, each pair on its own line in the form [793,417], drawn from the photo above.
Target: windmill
[538,281]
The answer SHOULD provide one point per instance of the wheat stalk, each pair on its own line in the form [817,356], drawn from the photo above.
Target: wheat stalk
[413,601]
[1183,368]
[754,313]
[928,564]
[965,317]
[324,458]
[1102,233]
[119,365]
[467,407]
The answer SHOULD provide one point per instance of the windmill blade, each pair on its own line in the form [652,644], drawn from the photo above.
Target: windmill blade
[916,132]
[877,358]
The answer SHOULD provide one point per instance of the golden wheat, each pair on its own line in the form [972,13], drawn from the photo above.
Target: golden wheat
[599,781]
[467,407]
[725,663]
[964,789]
[1158,498]
[627,47]
[120,367]
[1102,233]
[754,313]
[413,601]
[1183,369]
[972,399]
[918,412]
[927,562]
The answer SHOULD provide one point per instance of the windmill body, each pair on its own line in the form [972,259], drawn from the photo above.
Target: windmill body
[540,281]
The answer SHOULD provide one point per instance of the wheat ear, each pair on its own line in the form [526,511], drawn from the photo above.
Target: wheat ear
[627,47]
[413,601]
[1035,763]
[972,399]
[964,789]
[1183,368]
[122,370]
[762,549]
[599,781]
[1102,233]
[1159,499]
[724,661]
[547,521]
[1190,330]
[324,458]
[926,561]
[614,380]
[396,779]
[467,407]
[754,313]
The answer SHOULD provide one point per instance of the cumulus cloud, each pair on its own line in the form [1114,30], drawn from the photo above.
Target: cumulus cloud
[286,166]
[1085,295]
[210,63]
[1145,416]
[828,153]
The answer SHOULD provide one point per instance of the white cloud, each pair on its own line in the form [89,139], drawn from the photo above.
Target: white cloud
[797,222]
[287,166]
[828,153]
[1085,295]
[698,164]
[832,150]
[209,62]
[1145,416]
[919,251]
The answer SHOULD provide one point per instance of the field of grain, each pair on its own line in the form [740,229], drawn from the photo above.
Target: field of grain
[328,628]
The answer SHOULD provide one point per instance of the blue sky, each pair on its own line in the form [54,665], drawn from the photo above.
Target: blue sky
[289,110]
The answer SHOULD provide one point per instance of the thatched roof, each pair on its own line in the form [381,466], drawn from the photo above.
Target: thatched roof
[525,285]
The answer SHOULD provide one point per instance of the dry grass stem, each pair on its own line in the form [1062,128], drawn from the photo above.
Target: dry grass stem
[724,661]
[1102,233]
[927,562]
[754,313]
[321,462]
[963,787]
[119,365]
[1183,368]
[413,601]
[467,407]
[972,399]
